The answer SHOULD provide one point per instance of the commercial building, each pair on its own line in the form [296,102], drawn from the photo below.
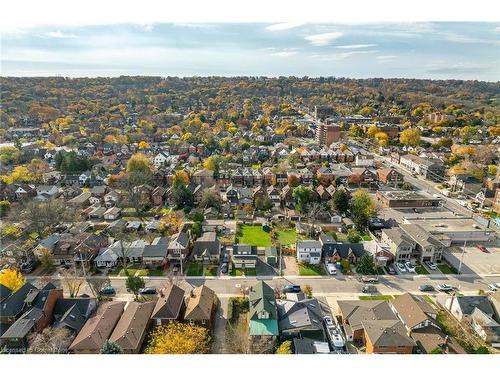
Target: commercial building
[406,199]
[327,134]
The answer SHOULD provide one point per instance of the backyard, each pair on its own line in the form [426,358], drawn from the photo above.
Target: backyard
[446,269]
[253,235]
[287,237]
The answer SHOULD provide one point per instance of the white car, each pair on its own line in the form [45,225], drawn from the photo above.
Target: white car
[400,266]
[409,267]
[492,287]
[332,270]
[444,288]
[431,265]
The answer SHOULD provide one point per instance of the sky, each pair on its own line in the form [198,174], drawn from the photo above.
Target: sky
[434,50]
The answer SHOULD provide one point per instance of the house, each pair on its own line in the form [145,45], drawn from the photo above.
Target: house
[178,247]
[486,327]
[244,256]
[160,159]
[428,247]
[132,327]
[308,251]
[263,315]
[363,177]
[300,317]
[12,306]
[354,313]
[107,257]
[111,199]
[275,195]
[414,312]
[400,244]
[4,292]
[80,248]
[170,305]
[131,251]
[82,200]
[45,192]
[200,307]
[432,169]
[310,346]
[335,251]
[112,213]
[271,255]
[390,176]
[207,248]
[462,307]
[97,329]
[323,194]
[72,313]
[38,314]
[156,252]
[203,177]
[459,183]
[386,337]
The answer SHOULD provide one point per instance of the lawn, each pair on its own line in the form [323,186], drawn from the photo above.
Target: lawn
[311,270]
[421,270]
[378,298]
[155,272]
[119,271]
[253,235]
[287,237]
[236,272]
[446,269]
[211,271]
[195,269]
[366,237]
[248,272]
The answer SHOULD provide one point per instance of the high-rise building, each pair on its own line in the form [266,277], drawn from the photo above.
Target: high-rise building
[327,134]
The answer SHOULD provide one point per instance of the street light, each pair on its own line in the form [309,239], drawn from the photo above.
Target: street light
[462,258]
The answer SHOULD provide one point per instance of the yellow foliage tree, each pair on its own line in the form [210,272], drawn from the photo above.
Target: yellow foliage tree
[143,145]
[285,348]
[12,279]
[183,176]
[372,130]
[410,137]
[179,338]
[382,138]
[138,163]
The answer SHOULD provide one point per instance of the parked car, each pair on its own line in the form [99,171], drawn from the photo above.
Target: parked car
[410,267]
[445,288]
[291,288]
[369,289]
[148,290]
[28,267]
[390,269]
[176,268]
[401,268]
[482,248]
[492,287]
[332,270]
[225,258]
[108,290]
[224,267]
[328,321]
[369,279]
[431,265]
[426,288]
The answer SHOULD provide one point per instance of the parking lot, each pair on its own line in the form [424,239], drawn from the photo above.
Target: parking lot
[474,260]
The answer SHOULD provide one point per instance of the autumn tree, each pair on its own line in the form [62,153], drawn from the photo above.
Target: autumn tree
[51,341]
[47,260]
[12,279]
[179,338]
[285,348]
[72,283]
[134,284]
[45,214]
[382,138]
[362,208]
[308,290]
[372,130]
[139,163]
[410,137]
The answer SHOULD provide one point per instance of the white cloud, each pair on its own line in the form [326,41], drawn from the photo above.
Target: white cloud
[59,35]
[341,56]
[386,57]
[284,26]
[323,39]
[284,53]
[356,46]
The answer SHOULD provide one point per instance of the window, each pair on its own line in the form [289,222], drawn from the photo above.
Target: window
[203,321]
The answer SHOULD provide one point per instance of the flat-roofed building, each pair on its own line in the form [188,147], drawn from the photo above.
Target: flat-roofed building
[406,199]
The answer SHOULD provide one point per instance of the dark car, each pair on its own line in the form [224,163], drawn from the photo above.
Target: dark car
[291,289]
[224,268]
[426,288]
[28,267]
[149,290]
[225,258]
[108,290]
[390,269]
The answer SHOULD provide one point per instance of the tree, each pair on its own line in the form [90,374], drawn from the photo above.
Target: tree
[96,284]
[133,184]
[303,196]
[285,348]
[372,130]
[134,284]
[365,265]
[179,338]
[353,236]
[71,282]
[45,214]
[12,279]
[382,138]
[143,145]
[293,180]
[308,290]
[4,208]
[181,196]
[47,260]
[196,229]
[210,198]
[181,176]
[340,201]
[263,203]
[52,341]
[410,137]
[110,347]
[362,208]
[139,163]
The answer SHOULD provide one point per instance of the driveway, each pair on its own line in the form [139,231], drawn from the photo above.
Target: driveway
[219,331]
[290,266]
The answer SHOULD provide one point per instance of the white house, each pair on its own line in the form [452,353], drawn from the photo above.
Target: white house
[112,213]
[106,258]
[160,159]
[308,251]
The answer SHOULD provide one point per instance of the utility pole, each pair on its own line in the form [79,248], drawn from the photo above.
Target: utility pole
[462,258]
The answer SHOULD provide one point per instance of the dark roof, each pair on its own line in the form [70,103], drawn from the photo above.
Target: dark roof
[469,303]
[387,333]
[343,249]
[158,248]
[309,346]
[4,292]
[24,324]
[14,304]
[73,312]
[208,242]
[200,304]
[302,314]
[169,305]
[261,298]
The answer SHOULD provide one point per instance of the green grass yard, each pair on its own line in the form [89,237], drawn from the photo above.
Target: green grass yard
[287,237]
[211,271]
[195,269]
[421,270]
[446,269]
[253,235]
[311,270]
